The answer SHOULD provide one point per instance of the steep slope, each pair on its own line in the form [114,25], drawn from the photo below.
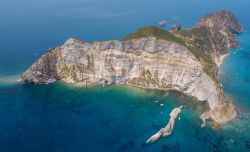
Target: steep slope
[214,34]
[149,58]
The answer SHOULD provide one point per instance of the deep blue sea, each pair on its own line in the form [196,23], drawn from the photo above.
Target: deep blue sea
[61,118]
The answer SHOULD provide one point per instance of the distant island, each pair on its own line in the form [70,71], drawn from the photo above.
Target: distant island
[183,60]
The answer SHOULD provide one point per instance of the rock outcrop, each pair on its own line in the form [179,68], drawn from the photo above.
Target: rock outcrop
[163,132]
[149,58]
[176,27]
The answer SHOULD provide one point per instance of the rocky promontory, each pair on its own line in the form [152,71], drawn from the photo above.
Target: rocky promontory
[183,60]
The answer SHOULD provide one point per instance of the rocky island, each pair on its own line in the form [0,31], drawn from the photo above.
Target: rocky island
[183,60]
[166,131]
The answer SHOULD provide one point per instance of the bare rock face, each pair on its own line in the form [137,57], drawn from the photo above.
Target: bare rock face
[148,62]
[44,70]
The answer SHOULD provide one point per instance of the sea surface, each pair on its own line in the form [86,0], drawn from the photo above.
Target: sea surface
[61,118]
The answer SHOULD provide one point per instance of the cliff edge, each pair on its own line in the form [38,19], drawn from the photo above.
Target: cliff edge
[152,58]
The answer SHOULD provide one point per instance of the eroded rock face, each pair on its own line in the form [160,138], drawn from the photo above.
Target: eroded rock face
[44,70]
[149,62]
[146,62]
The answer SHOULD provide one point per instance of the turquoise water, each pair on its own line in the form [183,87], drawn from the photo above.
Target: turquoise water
[59,117]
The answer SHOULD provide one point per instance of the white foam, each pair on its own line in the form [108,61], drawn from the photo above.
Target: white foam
[11,79]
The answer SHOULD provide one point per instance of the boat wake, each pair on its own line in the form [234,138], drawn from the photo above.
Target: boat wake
[92,15]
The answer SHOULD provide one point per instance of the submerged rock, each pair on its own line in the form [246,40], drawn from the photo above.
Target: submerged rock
[204,117]
[149,58]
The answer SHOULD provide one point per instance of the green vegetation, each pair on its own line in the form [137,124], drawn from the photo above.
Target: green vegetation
[153,31]
[196,40]
[199,37]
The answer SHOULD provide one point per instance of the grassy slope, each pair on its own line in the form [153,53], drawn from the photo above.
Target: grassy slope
[183,38]
[153,31]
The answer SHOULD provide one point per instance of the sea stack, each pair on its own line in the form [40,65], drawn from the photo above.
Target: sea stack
[185,60]
[163,132]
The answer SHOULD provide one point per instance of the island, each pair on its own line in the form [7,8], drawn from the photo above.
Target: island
[163,132]
[184,60]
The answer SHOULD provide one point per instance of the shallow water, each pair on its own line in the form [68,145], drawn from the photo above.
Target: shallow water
[117,118]
[59,117]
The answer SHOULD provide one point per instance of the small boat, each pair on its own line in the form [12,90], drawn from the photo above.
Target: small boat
[162,23]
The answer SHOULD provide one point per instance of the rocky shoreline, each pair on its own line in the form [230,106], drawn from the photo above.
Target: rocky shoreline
[183,60]
[220,61]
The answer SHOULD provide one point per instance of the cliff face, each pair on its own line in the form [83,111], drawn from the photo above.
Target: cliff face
[153,59]
[43,71]
[146,62]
